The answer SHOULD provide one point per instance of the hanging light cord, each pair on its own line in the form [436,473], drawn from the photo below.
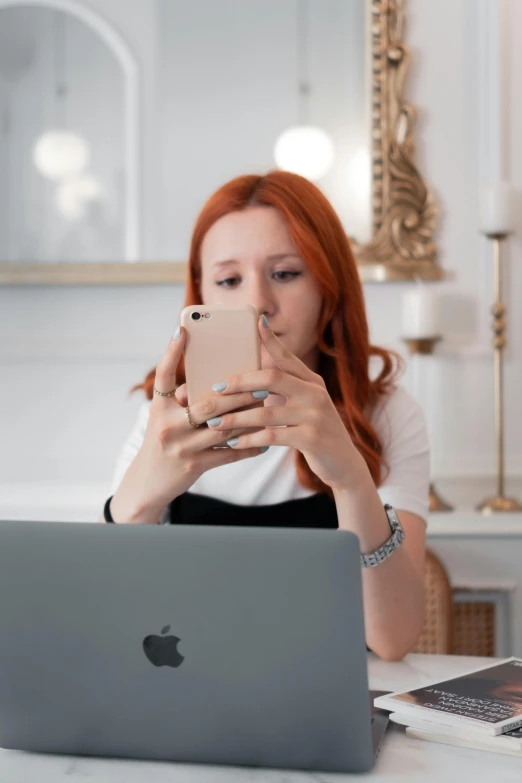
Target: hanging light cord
[303,10]
[59,67]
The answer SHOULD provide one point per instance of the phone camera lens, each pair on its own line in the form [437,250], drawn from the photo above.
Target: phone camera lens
[196,316]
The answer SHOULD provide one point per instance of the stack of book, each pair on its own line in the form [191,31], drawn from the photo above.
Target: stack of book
[481,709]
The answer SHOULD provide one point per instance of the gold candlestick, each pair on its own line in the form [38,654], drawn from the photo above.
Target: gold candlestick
[424,346]
[499,502]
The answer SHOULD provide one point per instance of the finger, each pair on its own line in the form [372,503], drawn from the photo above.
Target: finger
[283,356]
[214,459]
[274,416]
[231,403]
[271,380]
[207,438]
[216,405]
[296,437]
[182,395]
[165,379]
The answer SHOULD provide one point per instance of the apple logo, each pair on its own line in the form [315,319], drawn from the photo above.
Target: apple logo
[162,650]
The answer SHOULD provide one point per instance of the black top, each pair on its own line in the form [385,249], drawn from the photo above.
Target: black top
[316,511]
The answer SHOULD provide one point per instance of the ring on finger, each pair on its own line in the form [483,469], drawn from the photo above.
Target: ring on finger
[187,416]
[165,394]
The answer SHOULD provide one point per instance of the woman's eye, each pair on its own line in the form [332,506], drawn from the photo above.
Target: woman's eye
[290,274]
[229,282]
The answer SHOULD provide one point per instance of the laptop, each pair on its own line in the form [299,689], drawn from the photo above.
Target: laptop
[219,645]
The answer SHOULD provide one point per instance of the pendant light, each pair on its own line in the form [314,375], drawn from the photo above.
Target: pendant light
[304,149]
[58,153]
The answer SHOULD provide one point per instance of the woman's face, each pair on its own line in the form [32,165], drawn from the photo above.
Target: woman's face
[248,257]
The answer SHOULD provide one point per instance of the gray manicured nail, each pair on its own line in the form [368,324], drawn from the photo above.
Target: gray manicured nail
[260,395]
[264,448]
[221,386]
[233,441]
[215,422]
[177,334]
[265,322]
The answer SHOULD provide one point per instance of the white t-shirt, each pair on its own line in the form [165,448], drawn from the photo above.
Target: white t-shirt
[271,477]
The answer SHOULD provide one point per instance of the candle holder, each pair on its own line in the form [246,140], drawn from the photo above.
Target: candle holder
[499,503]
[423,346]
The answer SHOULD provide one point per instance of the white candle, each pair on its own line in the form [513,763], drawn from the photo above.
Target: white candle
[420,313]
[497,209]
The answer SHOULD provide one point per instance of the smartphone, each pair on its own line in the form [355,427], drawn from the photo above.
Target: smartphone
[220,342]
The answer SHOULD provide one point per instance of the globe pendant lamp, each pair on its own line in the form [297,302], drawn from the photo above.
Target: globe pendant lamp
[60,154]
[304,148]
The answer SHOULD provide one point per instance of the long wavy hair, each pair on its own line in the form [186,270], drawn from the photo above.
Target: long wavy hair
[342,329]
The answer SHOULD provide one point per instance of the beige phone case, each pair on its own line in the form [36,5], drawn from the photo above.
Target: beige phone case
[222,343]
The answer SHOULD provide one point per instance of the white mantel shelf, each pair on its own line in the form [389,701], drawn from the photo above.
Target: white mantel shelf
[473,523]
[83,502]
[53,501]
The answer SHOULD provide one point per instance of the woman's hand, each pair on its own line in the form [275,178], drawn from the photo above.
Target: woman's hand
[174,454]
[308,421]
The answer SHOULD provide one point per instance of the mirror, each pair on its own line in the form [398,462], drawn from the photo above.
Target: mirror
[229,78]
[222,85]
[63,192]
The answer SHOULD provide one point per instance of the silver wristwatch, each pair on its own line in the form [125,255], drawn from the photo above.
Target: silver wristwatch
[397,537]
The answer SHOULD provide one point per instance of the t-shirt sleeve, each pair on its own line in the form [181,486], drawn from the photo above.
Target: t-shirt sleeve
[401,425]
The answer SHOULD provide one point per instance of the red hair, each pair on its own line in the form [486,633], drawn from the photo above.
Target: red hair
[342,330]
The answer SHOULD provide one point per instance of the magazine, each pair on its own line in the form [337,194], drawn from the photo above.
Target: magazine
[480,742]
[511,740]
[486,700]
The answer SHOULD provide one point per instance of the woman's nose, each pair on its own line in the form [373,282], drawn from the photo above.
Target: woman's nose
[260,298]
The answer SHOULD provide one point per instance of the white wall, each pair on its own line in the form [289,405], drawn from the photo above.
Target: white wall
[69,354]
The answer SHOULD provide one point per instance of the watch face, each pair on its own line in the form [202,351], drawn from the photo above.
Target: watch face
[393,519]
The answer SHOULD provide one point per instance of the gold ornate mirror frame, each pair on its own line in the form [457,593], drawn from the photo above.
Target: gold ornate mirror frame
[404,212]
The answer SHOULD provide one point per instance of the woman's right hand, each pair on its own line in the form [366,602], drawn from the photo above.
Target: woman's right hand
[174,454]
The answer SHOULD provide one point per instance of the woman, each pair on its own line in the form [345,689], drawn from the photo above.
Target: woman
[341,443]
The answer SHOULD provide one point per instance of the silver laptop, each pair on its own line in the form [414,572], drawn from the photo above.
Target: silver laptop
[221,645]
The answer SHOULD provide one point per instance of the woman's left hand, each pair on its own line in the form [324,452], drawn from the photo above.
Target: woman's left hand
[308,421]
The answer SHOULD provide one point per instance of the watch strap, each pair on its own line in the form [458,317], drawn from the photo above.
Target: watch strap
[398,535]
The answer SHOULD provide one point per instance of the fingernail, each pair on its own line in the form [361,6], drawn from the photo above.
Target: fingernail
[233,441]
[177,334]
[215,422]
[260,395]
[264,448]
[265,322]
[221,386]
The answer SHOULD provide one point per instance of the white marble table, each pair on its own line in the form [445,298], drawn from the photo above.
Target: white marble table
[401,759]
